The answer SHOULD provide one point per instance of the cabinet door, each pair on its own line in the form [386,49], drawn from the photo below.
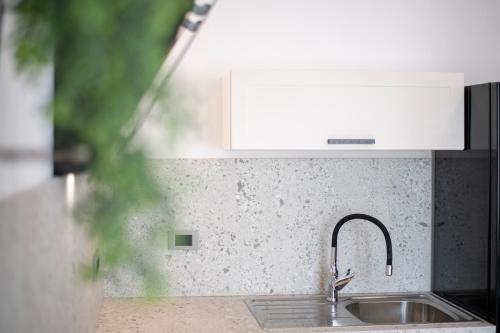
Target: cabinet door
[343,110]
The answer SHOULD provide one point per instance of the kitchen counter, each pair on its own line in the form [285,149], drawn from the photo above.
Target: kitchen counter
[225,315]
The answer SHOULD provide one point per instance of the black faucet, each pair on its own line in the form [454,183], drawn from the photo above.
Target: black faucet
[338,282]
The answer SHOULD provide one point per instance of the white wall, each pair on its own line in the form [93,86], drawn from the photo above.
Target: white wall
[386,35]
[25,125]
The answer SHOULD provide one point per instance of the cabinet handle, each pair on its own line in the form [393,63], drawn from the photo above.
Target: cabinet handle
[351,141]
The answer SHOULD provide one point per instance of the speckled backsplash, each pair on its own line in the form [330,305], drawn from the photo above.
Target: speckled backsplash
[265,225]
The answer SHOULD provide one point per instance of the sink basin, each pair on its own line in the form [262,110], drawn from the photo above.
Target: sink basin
[402,312]
[365,310]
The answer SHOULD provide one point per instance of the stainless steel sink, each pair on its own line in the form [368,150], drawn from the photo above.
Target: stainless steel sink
[403,311]
[366,310]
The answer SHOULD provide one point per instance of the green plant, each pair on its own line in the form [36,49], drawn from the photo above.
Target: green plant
[105,55]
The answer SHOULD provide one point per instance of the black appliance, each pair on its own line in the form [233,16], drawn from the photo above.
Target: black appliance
[466,210]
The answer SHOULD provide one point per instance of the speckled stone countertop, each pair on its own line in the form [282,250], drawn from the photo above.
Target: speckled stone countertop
[224,315]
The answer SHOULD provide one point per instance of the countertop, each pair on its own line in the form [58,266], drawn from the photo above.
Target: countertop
[225,315]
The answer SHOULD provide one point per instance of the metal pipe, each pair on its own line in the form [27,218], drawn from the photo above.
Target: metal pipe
[185,37]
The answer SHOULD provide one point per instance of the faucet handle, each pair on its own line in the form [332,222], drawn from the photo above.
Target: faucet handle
[347,274]
[337,283]
[342,280]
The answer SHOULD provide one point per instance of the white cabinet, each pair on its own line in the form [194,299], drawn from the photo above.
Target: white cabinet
[325,110]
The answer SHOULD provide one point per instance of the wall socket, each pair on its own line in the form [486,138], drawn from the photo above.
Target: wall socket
[183,240]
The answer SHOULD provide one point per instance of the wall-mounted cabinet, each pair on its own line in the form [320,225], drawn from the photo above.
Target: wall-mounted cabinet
[328,110]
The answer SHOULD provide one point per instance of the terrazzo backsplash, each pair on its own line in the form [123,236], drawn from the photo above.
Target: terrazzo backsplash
[265,225]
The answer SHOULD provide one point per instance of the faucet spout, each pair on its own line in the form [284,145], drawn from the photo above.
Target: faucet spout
[337,282]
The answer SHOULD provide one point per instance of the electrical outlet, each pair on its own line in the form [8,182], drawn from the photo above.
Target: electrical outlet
[183,240]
